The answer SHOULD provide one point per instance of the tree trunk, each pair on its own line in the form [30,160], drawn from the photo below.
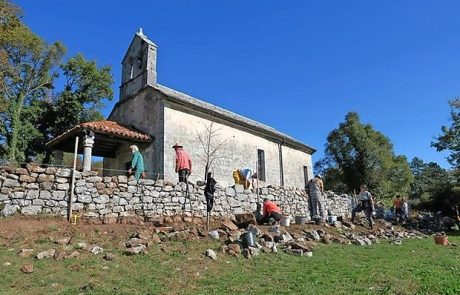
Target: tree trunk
[14,132]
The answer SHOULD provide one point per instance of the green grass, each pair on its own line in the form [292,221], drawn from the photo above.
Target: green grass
[415,267]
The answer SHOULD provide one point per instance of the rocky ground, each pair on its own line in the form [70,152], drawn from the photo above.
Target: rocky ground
[52,238]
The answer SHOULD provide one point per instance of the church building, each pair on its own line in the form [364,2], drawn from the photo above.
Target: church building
[168,116]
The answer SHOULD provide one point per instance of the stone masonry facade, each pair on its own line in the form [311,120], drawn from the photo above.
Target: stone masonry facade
[37,190]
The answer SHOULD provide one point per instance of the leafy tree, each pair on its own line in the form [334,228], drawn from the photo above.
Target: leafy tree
[429,179]
[27,75]
[450,138]
[80,101]
[31,111]
[357,154]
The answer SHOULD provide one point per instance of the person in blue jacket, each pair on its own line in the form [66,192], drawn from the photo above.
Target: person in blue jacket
[137,162]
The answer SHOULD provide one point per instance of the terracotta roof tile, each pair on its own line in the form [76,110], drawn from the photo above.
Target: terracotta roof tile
[106,127]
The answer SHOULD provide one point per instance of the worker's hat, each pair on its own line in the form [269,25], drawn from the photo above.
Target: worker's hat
[318,176]
[177,145]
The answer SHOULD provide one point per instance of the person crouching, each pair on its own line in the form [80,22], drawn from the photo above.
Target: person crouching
[270,210]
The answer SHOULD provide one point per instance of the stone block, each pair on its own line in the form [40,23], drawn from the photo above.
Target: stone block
[45,195]
[146,199]
[105,211]
[122,179]
[21,171]
[230,191]
[31,210]
[47,185]
[62,180]
[50,170]
[32,194]
[58,195]
[123,202]
[80,189]
[10,183]
[32,185]
[38,202]
[9,210]
[26,178]
[45,178]
[102,199]
[147,182]
[62,186]
[78,206]
[94,179]
[118,209]
[63,172]
[132,189]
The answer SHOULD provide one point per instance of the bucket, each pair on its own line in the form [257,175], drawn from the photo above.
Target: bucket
[248,239]
[300,220]
[441,240]
[331,219]
[285,220]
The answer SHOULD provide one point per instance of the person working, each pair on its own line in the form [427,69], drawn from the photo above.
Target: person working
[270,210]
[137,162]
[366,204]
[397,207]
[183,163]
[316,201]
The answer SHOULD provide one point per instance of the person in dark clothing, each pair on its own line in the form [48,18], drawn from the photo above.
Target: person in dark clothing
[209,191]
[366,204]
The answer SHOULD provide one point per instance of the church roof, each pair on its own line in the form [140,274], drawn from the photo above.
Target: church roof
[182,98]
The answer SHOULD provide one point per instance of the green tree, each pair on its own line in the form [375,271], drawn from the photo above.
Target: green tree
[450,138]
[429,179]
[27,75]
[86,85]
[358,154]
[31,110]
[85,88]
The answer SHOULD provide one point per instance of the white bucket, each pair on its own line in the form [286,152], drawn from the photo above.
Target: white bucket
[285,220]
[331,219]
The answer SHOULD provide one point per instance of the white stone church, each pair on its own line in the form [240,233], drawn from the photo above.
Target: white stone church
[170,117]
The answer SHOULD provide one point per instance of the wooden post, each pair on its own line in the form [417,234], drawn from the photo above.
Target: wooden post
[257,181]
[72,186]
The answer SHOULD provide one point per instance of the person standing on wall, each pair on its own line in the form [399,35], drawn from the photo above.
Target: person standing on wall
[316,200]
[183,163]
[137,162]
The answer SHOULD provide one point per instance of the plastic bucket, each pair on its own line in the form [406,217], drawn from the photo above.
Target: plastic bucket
[248,239]
[441,240]
[285,221]
[300,220]
[331,219]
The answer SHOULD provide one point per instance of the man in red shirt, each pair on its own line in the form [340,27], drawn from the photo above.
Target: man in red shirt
[271,210]
[397,206]
[183,163]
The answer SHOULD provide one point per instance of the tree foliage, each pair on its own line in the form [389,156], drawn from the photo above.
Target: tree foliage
[357,154]
[429,180]
[450,138]
[32,110]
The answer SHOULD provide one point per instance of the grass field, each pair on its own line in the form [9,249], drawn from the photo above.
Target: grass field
[415,267]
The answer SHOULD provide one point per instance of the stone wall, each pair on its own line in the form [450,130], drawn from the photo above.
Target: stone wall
[36,190]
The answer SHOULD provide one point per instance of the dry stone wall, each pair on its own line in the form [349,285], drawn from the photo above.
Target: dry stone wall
[36,190]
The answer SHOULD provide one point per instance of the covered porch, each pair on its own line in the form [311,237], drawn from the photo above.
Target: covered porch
[98,138]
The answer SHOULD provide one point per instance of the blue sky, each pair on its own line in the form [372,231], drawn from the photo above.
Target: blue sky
[298,66]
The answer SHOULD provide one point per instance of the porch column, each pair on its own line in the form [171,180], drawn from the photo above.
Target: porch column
[88,142]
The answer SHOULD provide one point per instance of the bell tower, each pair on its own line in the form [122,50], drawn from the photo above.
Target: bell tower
[139,66]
